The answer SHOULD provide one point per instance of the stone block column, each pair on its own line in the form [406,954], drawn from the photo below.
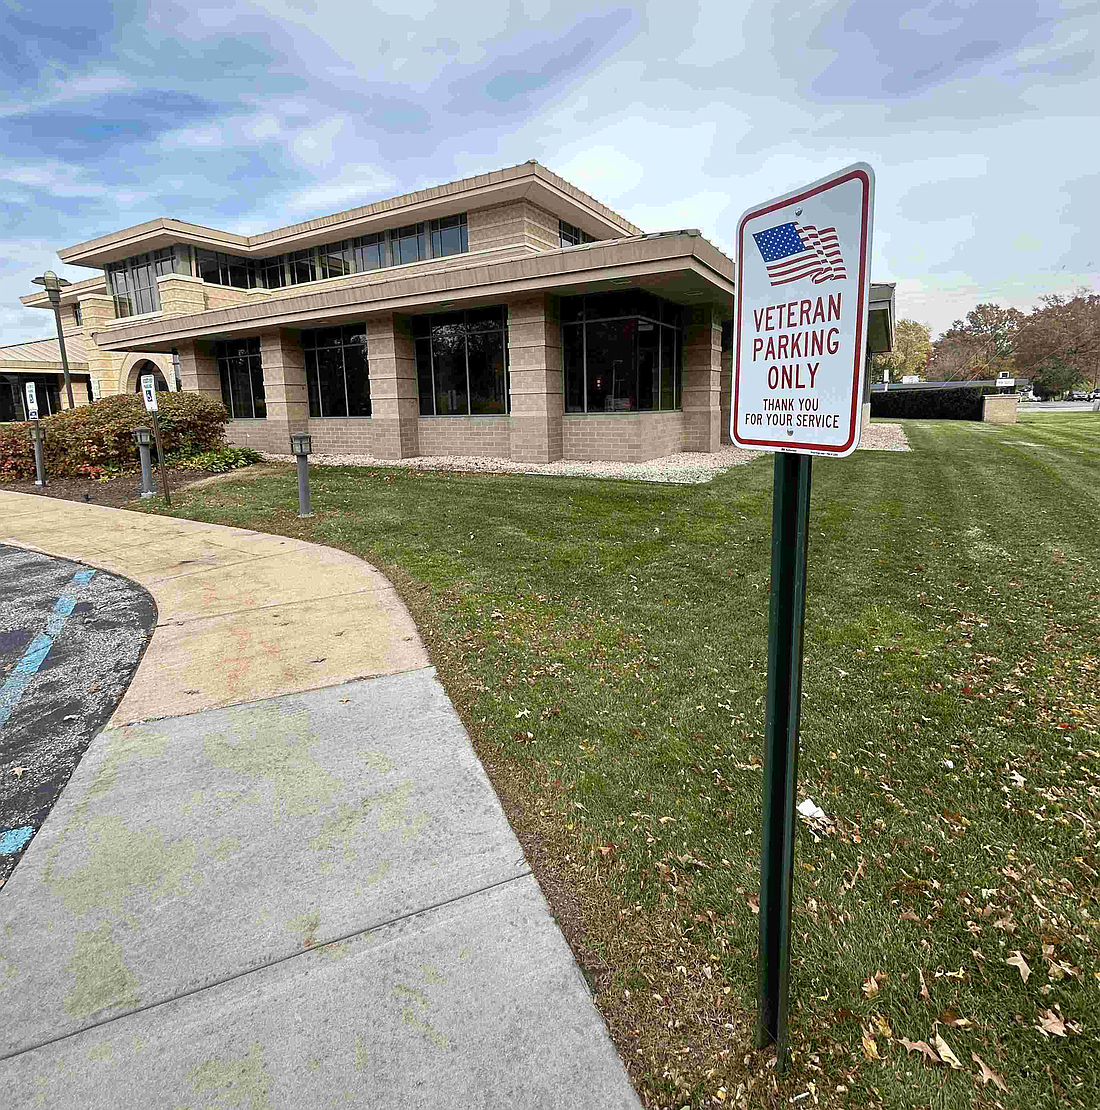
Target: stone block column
[702,379]
[198,369]
[394,396]
[104,367]
[534,362]
[284,387]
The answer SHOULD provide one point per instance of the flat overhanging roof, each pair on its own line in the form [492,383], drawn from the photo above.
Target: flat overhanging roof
[679,265]
[528,180]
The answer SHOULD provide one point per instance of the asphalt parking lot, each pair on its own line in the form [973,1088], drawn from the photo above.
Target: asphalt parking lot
[71,638]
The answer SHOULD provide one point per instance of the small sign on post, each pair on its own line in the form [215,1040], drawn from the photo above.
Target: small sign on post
[32,402]
[149,395]
[803,283]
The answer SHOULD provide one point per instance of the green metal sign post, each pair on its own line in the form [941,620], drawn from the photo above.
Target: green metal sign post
[800,343]
[790,524]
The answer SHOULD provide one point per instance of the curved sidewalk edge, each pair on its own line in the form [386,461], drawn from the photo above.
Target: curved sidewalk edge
[241,615]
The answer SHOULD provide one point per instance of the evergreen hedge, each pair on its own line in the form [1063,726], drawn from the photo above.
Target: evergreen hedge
[92,439]
[931,404]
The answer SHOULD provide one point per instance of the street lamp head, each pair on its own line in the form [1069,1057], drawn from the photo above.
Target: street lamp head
[300,443]
[144,437]
[53,284]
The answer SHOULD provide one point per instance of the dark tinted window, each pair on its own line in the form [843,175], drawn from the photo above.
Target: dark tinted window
[337,374]
[462,362]
[242,377]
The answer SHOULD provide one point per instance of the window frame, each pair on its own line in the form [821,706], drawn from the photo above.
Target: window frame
[502,331]
[310,345]
[254,361]
[676,350]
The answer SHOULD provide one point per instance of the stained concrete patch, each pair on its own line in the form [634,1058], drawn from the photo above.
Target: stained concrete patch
[408,1015]
[203,846]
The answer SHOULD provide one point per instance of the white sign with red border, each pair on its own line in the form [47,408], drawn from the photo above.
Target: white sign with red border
[800,333]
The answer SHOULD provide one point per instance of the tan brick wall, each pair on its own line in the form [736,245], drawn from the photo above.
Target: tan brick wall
[180,295]
[1000,409]
[260,435]
[702,379]
[481,436]
[518,222]
[395,399]
[534,364]
[343,435]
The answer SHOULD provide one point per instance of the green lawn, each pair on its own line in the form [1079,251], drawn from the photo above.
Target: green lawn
[606,645]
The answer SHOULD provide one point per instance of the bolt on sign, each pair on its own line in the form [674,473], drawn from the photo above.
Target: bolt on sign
[803,269]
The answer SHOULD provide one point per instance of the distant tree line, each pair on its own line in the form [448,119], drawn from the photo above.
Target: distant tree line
[1056,345]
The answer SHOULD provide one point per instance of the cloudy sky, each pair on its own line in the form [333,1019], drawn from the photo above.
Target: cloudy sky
[980,120]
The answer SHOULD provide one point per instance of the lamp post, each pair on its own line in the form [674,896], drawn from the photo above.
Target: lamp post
[54,285]
[38,438]
[144,438]
[300,444]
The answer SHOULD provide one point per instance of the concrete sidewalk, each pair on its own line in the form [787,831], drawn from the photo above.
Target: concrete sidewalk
[280,877]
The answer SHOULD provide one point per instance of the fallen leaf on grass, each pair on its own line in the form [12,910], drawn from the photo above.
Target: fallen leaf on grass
[988,1074]
[870,988]
[855,878]
[870,1049]
[881,1026]
[924,1048]
[754,902]
[949,1017]
[1019,961]
[1051,1022]
[18,771]
[946,1055]
[923,987]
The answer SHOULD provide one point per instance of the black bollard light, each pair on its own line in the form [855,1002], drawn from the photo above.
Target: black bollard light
[38,438]
[144,439]
[300,444]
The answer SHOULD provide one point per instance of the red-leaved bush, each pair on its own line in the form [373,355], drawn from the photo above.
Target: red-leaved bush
[92,438]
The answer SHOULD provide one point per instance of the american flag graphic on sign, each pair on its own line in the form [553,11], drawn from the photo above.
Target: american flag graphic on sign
[794,251]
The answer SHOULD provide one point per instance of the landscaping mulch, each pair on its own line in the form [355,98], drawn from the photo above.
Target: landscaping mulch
[115,492]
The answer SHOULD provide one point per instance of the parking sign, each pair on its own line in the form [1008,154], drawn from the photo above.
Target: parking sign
[803,277]
[32,402]
[149,392]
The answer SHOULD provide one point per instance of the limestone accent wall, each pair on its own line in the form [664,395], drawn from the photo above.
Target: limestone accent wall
[105,367]
[198,368]
[343,435]
[480,436]
[226,296]
[540,228]
[534,363]
[395,399]
[1000,408]
[180,295]
[136,362]
[518,222]
[702,379]
[865,417]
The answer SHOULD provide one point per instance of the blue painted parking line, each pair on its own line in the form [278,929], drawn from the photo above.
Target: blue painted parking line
[35,655]
[11,840]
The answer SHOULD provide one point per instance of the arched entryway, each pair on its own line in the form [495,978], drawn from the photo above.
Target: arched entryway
[147,367]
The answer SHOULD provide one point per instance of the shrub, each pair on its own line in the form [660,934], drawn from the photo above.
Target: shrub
[220,460]
[931,404]
[94,439]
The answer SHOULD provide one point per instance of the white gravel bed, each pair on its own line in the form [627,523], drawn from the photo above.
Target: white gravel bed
[686,467]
